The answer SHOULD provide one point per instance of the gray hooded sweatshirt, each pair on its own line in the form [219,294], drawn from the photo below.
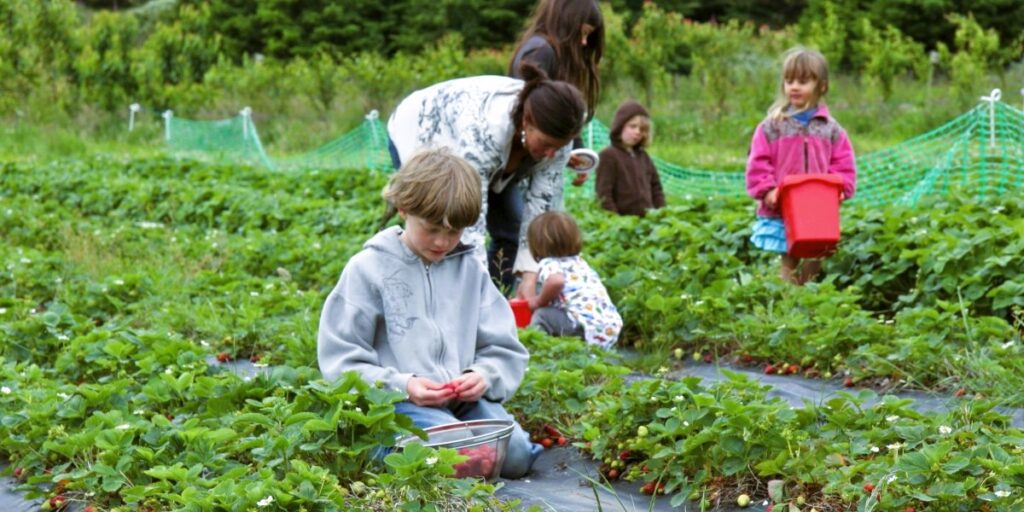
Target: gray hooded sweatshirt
[392,317]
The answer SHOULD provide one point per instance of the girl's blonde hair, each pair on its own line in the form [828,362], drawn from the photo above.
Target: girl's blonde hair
[800,63]
[554,234]
[436,186]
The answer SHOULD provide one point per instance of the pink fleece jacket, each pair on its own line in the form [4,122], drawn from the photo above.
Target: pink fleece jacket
[784,146]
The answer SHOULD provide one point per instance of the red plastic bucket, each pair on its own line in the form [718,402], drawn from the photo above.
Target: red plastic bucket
[810,211]
[521,310]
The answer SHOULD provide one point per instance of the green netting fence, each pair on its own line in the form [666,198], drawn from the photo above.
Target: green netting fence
[979,152]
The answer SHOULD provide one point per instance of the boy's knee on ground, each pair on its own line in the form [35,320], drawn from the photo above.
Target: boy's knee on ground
[520,456]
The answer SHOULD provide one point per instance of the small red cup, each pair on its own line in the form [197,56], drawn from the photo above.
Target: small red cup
[521,310]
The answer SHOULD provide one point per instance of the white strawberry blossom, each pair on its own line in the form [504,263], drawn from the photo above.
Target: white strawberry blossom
[1002,493]
[3,310]
[123,426]
[874,449]
[892,418]
[265,501]
[894,446]
[5,390]
[944,430]
[431,461]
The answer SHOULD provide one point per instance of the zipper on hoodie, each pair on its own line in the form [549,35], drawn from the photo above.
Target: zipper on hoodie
[431,310]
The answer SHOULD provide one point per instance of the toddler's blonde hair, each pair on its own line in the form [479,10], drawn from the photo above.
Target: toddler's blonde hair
[797,63]
[437,186]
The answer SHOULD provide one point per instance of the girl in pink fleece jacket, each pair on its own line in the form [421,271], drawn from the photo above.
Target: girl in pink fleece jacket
[798,137]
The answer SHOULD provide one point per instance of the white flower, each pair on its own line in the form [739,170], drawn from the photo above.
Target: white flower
[894,446]
[149,225]
[316,245]
[944,430]
[58,280]
[359,409]
[204,343]
[679,398]
[169,370]
[686,423]
[892,418]
[265,501]
[1002,493]
[119,282]
[890,479]
[5,390]
[874,449]
[62,337]
[1008,344]
[26,261]
[63,396]
[3,310]
[139,412]
[123,426]
[431,461]
[254,294]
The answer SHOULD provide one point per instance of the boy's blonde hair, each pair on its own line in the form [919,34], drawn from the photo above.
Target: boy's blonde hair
[438,187]
[554,234]
[797,63]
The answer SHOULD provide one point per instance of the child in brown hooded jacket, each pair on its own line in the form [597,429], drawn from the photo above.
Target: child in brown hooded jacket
[627,182]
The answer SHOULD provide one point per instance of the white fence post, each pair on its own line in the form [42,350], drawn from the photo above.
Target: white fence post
[246,114]
[168,114]
[992,99]
[132,110]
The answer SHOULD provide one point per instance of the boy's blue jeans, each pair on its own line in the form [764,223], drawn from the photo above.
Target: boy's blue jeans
[521,451]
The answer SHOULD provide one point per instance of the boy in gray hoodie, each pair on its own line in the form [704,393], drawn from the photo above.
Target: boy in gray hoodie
[418,312]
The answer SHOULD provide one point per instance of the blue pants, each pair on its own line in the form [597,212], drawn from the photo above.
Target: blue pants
[504,216]
[521,451]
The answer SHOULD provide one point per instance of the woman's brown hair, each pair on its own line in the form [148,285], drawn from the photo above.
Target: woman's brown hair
[554,234]
[560,22]
[556,108]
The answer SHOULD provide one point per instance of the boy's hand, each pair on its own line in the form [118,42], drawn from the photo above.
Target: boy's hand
[771,199]
[469,386]
[427,393]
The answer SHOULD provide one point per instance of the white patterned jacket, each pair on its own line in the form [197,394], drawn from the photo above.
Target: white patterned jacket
[472,117]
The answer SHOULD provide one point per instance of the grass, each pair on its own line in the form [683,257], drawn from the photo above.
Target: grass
[690,128]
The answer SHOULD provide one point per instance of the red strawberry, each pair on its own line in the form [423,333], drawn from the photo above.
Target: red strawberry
[910,509]
[552,431]
[546,442]
[708,359]
[960,392]
[624,455]
[223,357]
[648,488]
[747,358]
[89,508]
[562,441]
[791,369]
[869,487]
[57,502]
[613,474]
[18,472]
[769,369]
[255,358]
[848,382]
